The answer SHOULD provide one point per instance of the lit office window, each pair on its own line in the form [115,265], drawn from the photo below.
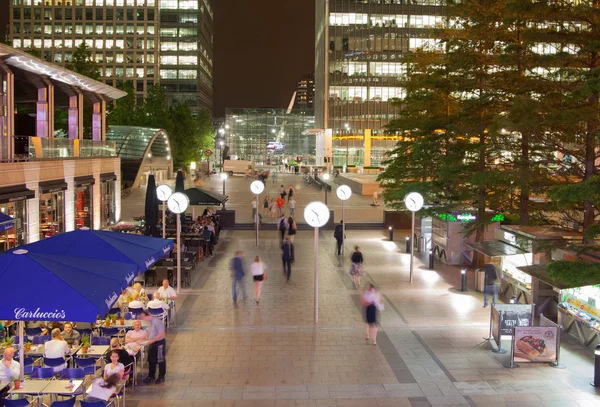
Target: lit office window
[110,29]
[188,18]
[188,60]
[348,18]
[150,29]
[26,43]
[99,58]
[108,72]
[119,58]
[168,32]
[150,3]
[188,46]
[120,29]
[188,74]
[150,58]
[89,43]
[187,32]
[168,46]
[149,44]
[99,44]
[168,4]
[388,69]
[119,72]
[99,28]
[37,43]
[130,29]
[16,43]
[150,72]
[109,3]
[140,3]
[130,3]
[119,44]
[120,3]
[168,74]
[47,44]
[77,43]
[424,43]
[129,72]
[188,5]
[58,29]
[68,43]
[168,60]
[47,28]
[89,28]
[139,72]
[383,94]
[140,30]
[58,43]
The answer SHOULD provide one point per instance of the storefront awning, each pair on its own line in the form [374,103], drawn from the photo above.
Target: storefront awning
[539,271]
[108,176]
[15,193]
[53,186]
[85,180]
[495,248]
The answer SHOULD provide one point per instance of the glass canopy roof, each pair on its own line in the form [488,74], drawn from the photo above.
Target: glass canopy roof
[133,142]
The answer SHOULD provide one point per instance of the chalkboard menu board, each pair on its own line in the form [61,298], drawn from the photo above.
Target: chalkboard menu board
[514,315]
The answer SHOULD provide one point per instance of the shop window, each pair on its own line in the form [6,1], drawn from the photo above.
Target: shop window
[17,235]
[108,211]
[52,214]
[83,207]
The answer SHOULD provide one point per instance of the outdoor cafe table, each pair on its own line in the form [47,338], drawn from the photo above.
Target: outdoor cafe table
[50,387]
[32,388]
[96,351]
[38,351]
[61,387]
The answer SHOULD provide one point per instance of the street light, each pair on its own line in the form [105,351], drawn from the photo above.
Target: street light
[163,192]
[325,178]
[178,203]
[224,177]
[347,126]
[316,214]
[413,202]
[221,143]
[257,187]
[344,193]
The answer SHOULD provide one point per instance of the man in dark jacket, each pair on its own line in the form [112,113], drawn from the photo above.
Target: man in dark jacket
[491,286]
[287,257]
[237,274]
[339,236]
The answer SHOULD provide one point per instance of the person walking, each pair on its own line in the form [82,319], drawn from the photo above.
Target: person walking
[157,351]
[282,226]
[258,275]
[274,209]
[356,269]
[237,275]
[266,206]
[290,193]
[254,208]
[291,229]
[491,284]
[372,301]
[280,202]
[338,233]
[292,205]
[282,192]
[287,257]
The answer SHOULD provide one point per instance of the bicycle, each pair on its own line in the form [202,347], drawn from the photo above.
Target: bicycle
[307,180]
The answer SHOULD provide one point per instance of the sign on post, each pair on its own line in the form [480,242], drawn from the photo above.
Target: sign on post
[536,344]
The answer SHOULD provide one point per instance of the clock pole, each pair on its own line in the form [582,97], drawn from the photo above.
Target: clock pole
[257,217]
[164,228]
[343,227]
[412,245]
[316,239]
[178,253]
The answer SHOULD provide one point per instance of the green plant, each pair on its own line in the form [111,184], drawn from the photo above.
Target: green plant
[85,341]
[8,341]
[573,273]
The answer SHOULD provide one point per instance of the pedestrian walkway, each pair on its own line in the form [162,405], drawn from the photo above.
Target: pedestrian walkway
[429,351]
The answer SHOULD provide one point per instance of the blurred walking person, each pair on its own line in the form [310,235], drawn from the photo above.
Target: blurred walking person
[282,226]
[266,205]
[237,274]
[257,269]
[292,229]
[274,209]
[291,193]
[292,205]
[286,257]
[338,234]
[280,202]
[254,208]
[372,301]
[356,269]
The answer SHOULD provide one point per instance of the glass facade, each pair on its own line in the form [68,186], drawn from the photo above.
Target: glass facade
[52,214]
[270,136]
[17,235]
[108,208]
[83,207]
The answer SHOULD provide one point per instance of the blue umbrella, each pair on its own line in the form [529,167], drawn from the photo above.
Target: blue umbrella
[6,222]
[58,288]
[143,251]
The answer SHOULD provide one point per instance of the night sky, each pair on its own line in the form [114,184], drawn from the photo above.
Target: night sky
[261,50]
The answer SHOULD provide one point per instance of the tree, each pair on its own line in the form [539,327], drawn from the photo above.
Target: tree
[125,111]
[206,130]
[82,62]
[155,110]
[185,143]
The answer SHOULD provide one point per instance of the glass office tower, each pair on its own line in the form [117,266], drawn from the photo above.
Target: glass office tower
[143,41]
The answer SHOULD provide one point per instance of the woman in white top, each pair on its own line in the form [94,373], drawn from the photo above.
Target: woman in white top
[102,389]
[258,275]
[114,367]
[135,301]
[371,299]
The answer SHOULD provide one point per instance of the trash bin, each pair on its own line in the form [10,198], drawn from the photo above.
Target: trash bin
[480,280]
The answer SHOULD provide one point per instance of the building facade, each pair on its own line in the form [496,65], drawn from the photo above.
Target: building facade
[359,69]
[305,93]
[143,41]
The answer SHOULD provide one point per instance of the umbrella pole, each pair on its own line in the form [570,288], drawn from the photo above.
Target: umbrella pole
[21,350]
[178,253]
[164,226]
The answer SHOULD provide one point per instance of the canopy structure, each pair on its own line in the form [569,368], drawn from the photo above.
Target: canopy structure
[67,288]
[6,222]
[495,248]
[142,251]
[200,196]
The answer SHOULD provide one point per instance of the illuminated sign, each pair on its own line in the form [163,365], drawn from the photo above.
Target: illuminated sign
[466,217]
[510,238]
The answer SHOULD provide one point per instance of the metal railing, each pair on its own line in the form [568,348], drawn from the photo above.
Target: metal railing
[28,148]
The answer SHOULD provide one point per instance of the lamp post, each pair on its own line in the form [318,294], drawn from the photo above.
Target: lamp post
[344,193]
[316,214]
[347,126]
[163,192]
[325,178]
[178,203]
[221,143]
[413,202]
[257,187]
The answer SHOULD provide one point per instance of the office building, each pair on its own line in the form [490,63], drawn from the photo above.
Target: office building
[359,48]
[143,41]
[305,93]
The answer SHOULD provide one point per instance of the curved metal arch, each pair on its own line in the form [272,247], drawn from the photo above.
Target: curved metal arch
[148,149]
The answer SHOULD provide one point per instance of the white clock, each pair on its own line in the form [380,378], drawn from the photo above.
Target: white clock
[316,214]
[178,202]
[257,187]
[163,192]
[413,201]
[343,192]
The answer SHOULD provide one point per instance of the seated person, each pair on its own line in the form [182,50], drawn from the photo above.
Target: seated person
[157,303]
[70,335]
[211,227]
[115,367]
[57,348]
[140,290]
[124,357]
[123,300]
[135,301]
[166,291]
[10,369]
[101,390]
[134,338]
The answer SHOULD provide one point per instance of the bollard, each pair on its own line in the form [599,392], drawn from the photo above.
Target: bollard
[463,280]
[514,299]
[391,234]
[407,244]
[430,259]
[596,382]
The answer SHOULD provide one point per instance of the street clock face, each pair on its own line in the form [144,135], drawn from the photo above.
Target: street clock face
[257,187]
[163,192]
[343,192]
[413,201]
[178,202]
[316,214]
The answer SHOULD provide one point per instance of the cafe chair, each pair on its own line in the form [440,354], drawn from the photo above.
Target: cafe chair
[65,403]
[128,316]
[54,362]
[96,403]
[73,374]
[33,331]
[110,332]
[136,311]
[16,403]
[84,331]
[15,339]
[40,339]
[43,372]
[101,340]
[27,364]
[87,364]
